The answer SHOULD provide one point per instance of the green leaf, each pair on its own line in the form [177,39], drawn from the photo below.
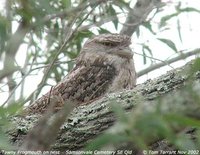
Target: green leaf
[66,3]
[11,109]
[70,65]
[102,30]
[169,43]
[85,34]
[144,55]
[4,142]
[3,33]
[179,11]
[45,6]
[113,14]
[145,49]
[104,140]
[119,111]
[71,54]
[148,26]
[179,29]
[138,32]
[183,120]
[148,49]
[195,67]
[122,4]
[153,125]
[166,18]
[190,9]
[56,73]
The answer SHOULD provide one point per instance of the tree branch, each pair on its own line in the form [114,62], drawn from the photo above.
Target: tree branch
[168,62]
[88,121]
[139,14]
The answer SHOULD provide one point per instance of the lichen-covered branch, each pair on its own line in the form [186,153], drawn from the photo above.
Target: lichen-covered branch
[88,121]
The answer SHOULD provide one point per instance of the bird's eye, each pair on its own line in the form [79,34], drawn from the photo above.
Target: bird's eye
[109,43]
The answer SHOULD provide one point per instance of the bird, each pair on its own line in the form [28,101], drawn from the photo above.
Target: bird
[105,64]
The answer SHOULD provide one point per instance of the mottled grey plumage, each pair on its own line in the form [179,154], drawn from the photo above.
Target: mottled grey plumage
[105,64]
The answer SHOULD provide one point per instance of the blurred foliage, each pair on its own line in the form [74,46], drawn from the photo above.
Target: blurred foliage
[5,124]
[49,24]
[146,127]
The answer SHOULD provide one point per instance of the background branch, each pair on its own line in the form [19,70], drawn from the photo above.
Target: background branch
[168,62]
[138,15]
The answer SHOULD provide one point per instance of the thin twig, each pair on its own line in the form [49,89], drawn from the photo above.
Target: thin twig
[150,57]
[23,78]
[170,61]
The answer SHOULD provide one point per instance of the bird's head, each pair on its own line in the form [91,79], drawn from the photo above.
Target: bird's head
[114,44]
[107,46]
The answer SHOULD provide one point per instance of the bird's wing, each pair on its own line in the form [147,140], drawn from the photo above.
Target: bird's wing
[86,83]
[81,85]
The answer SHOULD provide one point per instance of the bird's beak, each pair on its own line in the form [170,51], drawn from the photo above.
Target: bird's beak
[125,53]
